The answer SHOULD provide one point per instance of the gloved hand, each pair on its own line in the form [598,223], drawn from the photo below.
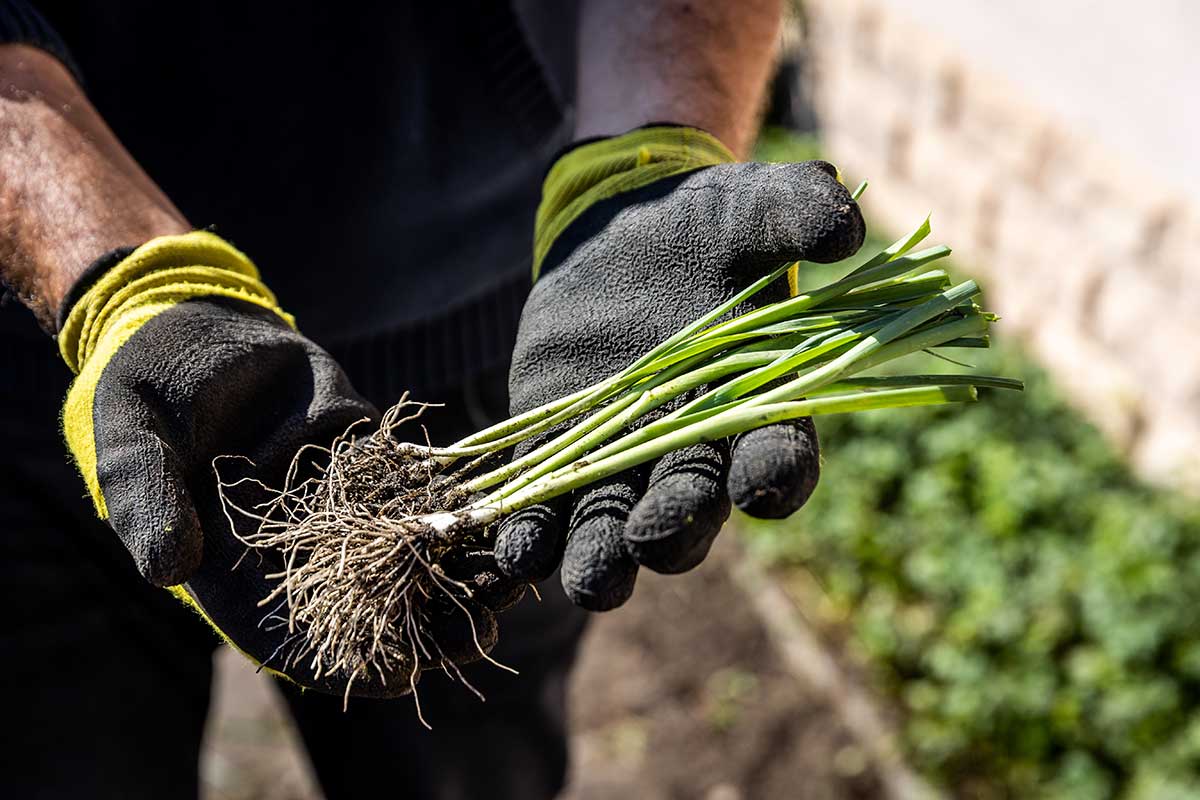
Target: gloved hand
[182,355]
[637,236]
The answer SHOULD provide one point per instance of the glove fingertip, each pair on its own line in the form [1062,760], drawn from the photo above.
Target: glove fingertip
[677,559]
[150,507]
[598,573]
[462,637]
[168,547]
[529,544]
[775,469]
[599,584]
[673,526]
[822,165]
[813,217]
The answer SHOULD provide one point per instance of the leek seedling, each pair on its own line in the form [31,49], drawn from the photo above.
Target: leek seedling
[392,534]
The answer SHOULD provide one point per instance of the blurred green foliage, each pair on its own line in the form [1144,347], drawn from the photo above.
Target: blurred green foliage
[778,144]
[1027,603]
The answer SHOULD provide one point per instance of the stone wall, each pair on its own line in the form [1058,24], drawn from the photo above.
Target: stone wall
[1091,262]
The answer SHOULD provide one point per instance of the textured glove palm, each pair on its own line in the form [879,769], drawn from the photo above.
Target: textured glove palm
[183,355]
[637,236]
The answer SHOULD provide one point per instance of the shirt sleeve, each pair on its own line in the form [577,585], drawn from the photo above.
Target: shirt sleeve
[22,23]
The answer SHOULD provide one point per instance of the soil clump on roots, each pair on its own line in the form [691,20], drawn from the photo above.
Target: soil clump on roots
[365,587]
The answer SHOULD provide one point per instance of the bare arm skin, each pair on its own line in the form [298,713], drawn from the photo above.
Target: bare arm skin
[69,192]
[703,63]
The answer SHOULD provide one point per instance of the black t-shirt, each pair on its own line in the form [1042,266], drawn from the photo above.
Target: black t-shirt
[381,165]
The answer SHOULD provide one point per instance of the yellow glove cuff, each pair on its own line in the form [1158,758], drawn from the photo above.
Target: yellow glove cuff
[164,271]
[597,171]
[159,274]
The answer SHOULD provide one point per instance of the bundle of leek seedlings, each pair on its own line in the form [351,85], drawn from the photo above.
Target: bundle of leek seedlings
[392,539]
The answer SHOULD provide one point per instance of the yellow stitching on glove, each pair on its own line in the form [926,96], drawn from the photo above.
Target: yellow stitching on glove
[600,170]
[793,279]
[158,275]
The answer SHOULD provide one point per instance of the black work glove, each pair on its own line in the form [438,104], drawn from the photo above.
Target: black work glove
[183,355]
[638,236]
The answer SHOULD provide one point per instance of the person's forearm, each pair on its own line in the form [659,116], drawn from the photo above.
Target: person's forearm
[704,63]
[69,192]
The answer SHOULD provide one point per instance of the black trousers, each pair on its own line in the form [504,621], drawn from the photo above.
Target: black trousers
[105,679]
